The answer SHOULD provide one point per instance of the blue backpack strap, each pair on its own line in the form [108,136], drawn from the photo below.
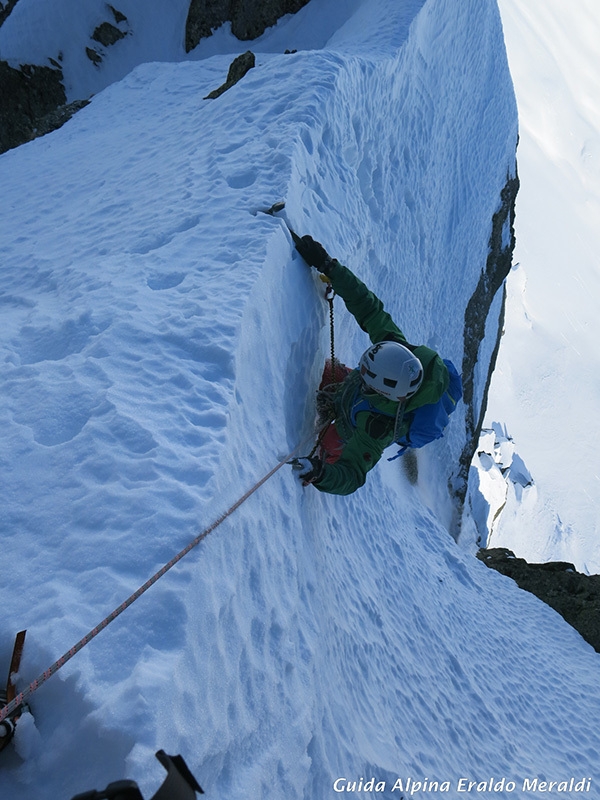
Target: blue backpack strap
[399,453]
[362,404]
[454,390]
[357,406]
[429,421]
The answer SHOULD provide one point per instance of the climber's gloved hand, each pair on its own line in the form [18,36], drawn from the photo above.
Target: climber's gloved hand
[314,253]
[307,469]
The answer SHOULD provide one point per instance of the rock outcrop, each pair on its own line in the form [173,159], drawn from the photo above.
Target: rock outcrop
[574,595]
[27,95]
[6,9]
[249,18]
[238,68]
[33,101]
[498,264]
[107,34]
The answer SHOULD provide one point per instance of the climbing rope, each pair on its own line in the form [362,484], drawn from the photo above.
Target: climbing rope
[8,710]
[19,699]
[329,295]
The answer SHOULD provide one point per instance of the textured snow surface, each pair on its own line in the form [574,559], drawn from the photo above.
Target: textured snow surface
[161,343]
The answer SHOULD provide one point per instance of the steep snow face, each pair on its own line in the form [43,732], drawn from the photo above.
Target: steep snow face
[161,343]
[545,388]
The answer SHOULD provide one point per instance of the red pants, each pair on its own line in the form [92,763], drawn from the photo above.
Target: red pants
[331,445]
[337,375]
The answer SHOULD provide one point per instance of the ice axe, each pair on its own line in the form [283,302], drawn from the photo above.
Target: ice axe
[329,291]
[9,721]
[275,209]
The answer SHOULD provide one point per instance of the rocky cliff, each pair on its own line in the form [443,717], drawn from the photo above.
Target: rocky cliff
[249,18]
[575,596]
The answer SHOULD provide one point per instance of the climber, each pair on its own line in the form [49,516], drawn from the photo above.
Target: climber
[399,392]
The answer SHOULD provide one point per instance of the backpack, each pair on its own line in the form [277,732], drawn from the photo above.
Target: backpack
[428,422]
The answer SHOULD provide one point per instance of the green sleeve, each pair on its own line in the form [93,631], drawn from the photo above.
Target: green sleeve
[365,306]
[349,473]
[362,451]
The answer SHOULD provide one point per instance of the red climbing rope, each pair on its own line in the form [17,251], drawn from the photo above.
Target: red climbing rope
[19,699]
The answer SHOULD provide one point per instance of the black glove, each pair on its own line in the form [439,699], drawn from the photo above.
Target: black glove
[307,469]
[314,253]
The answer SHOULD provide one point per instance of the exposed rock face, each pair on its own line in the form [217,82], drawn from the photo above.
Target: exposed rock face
[26,96]
[238,68]
[203,17]
[57,118]
[7,8]
[497,267]
[107,34]
[249,18]
[575,596]
[32,98]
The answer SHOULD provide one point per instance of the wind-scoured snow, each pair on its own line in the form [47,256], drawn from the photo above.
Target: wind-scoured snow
[161,344]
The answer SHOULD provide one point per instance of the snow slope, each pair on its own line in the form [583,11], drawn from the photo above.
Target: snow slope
[161,344]
[545,388]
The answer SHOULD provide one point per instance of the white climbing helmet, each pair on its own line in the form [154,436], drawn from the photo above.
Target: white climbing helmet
[391,369]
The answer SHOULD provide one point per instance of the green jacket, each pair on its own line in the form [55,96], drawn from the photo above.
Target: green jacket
[367,439]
